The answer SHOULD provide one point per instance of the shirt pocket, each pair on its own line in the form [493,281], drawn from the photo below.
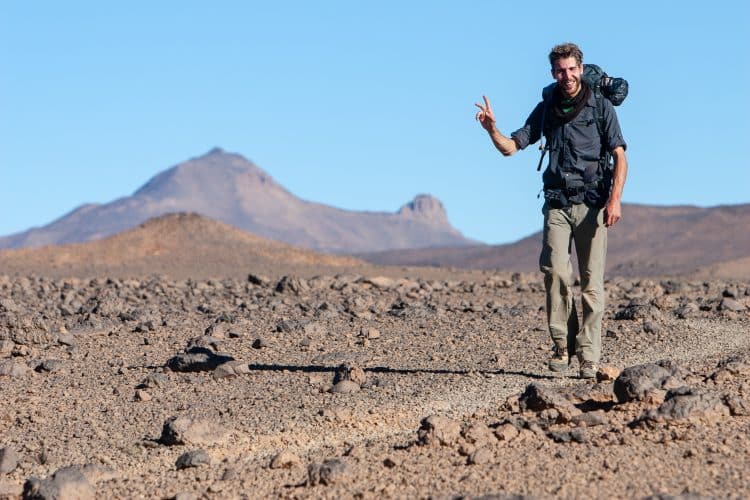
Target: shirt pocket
[584,138]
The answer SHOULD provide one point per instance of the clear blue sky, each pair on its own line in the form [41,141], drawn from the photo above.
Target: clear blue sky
[359,105]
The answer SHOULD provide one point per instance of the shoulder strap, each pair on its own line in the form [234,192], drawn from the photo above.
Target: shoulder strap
[605,157]
[599,115]
[542,139]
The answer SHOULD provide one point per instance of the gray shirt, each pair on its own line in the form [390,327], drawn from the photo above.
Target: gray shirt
[575,148]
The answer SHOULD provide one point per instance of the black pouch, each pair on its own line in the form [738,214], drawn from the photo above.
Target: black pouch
[556,198]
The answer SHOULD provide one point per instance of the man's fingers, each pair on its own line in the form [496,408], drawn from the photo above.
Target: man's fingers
[486,101]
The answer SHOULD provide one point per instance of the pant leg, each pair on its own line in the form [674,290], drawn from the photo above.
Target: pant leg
[590,236]
[554,262]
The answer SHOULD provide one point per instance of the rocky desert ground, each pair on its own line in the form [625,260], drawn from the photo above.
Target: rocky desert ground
[366,386]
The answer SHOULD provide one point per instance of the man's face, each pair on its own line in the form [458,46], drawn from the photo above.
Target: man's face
[567,73]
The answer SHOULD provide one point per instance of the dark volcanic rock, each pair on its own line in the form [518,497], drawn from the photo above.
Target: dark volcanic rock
[635,382]
[192,458]
[197,359]
[539,398]
[686,403]
[329,472]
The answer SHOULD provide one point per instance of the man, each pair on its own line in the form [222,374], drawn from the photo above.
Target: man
[582,198]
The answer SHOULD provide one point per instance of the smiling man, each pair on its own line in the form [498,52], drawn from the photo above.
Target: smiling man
[582,194]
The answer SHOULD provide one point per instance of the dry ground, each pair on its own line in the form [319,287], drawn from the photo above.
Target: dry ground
[85,381]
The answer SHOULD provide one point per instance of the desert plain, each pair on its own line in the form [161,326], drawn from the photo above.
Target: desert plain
[249,370]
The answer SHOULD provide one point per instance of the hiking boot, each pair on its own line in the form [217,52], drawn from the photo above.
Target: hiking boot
[588,369]
[559,361]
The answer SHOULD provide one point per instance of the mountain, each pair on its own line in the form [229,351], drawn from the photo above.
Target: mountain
[178,245]
[228,188]
[648,241]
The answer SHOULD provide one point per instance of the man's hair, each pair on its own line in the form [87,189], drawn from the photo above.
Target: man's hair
[563,51]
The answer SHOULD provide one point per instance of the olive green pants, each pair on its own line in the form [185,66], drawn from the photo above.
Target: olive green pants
[585,227]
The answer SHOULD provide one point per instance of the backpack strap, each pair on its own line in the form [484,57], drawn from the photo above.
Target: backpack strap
[543,147]
[605,155]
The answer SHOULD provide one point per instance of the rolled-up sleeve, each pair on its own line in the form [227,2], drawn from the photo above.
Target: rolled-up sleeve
[612,132]
[531,130]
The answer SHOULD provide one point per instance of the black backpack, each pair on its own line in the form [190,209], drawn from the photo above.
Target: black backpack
[603,86]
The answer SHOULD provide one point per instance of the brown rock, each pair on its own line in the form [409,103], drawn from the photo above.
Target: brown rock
[607,373]
[186,430]
[506,432]
[285,460]
[481,456]
[345,387]
[440,430]
[67,483]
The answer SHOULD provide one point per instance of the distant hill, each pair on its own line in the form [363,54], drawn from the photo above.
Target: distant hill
[228,188]
[177,245]
[649,241]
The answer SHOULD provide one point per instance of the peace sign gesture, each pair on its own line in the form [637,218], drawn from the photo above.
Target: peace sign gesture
[485,116]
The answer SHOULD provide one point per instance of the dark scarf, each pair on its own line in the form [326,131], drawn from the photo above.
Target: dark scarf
[565,109]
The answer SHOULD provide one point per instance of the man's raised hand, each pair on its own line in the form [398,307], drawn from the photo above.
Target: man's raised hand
[485,116]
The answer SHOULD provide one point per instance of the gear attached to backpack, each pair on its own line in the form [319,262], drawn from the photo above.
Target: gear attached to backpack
[603,86]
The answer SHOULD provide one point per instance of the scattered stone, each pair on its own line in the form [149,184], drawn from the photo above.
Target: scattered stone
[734,366]
[439,430]
[259,343]
[290,284]
[142,395]
[391,462]
[11,368]
[506,432]
[687,311]
[686,403]
[8,460]
[478,434]
[636,381]
[49,366]
[738,406]
[231,369]
[257,279]
[329,472]
[218,330]
[350,371]
[651,327]
[589,419]
[187,430]
[66,339]
[67,483]
[6,347]
[288,326]
[481,456]
[369,333]
[192,458]
[637,308]
[575,435]
[345,387]
[206,342]
[95,473]
[728,304]
[538,398]
[285,460]
[153,380]
[607,373]
[381,282]
[197,359]
[185,495]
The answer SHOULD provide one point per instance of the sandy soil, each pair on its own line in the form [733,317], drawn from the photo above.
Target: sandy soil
[322,388]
